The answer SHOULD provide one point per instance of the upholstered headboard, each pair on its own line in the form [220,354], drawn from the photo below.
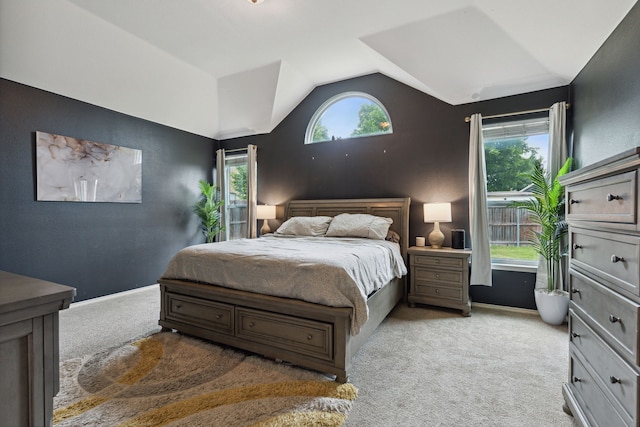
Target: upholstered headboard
[395,208]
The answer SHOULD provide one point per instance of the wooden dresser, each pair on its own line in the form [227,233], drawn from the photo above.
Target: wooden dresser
[604,275]
[29,348]
[439,277]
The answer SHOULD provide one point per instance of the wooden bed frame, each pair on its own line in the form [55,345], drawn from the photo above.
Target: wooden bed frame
[306,334]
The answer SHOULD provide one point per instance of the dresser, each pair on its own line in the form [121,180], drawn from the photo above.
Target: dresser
[604,278]
[439,277]
[29,348]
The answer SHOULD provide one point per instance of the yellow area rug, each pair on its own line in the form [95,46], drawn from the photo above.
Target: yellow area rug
[169,379]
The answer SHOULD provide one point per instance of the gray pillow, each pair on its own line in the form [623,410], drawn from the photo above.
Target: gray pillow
[304,226]
[359,225]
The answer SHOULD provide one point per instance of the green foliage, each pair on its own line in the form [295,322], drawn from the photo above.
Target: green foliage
[320,132]
[207,208]
[547,210]
[372,120]
[510,164]
[239,182]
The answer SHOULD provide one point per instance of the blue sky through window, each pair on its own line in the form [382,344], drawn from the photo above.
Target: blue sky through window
[341,119]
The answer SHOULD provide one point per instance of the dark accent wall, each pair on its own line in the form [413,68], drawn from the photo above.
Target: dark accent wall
[425,158]
[606,96]
[99,248]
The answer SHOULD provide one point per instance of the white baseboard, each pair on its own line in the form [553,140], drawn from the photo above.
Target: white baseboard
[110,296]
[505,308]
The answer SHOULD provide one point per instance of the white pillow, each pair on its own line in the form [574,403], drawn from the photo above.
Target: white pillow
[304,226]
[359,225]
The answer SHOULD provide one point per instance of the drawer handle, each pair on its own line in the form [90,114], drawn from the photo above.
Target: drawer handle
[251,324]
[575,335]
[219,316]
[437,276]
[178,305]
[616,258]
[309,337]
[615,380]
[576,246]
[575,291]
[574,201]
[576,379]
[614,319]
[437,291]
[611,197]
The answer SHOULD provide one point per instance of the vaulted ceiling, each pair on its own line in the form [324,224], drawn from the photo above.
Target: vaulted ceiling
[227,68]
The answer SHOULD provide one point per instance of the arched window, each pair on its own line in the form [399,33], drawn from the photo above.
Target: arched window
[348,115]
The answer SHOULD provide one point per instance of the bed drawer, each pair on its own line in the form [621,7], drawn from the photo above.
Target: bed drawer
[613,315]
[208,314]
[610,256]
[611,199]
[306,336]
[614,374]
[591,398]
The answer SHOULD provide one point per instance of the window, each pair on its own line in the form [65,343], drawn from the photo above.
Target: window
[235,196]
[512,149]
[348,115]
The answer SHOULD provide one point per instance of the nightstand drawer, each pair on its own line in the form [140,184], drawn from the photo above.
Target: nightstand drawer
[208,314]
[438,261]
[441,277]
[431,291]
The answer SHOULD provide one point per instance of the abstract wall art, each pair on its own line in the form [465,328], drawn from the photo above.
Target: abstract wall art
[76,170]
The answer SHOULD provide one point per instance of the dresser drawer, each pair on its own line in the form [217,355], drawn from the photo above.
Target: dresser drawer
[208,314]
[611,199]
[613,315]
[613,373]
[438,261]
[610,256]
[441,277]
[306,336]
[592,400]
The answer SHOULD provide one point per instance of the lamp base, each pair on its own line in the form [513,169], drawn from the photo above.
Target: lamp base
[436,238]
[265,228]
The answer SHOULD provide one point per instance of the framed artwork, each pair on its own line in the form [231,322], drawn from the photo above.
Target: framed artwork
[76,170]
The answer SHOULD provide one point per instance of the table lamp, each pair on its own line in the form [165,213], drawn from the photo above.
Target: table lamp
[437,213]
[266,212]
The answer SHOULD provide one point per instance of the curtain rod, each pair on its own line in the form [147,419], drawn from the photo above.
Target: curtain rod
[517,113]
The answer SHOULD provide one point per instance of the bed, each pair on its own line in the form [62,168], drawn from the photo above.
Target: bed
[308,334]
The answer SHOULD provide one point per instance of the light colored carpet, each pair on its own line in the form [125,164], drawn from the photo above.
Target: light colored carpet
[424,366]
[172,379]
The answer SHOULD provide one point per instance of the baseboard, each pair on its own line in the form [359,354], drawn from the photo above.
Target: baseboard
[504,308]
[110,296]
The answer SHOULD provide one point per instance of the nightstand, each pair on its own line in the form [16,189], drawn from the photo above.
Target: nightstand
[439,277]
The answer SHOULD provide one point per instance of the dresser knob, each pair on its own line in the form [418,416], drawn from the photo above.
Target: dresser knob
[573,201]
[616,258]
[615,380]
[614,319]
[309,337]
[576,379]
[576,246]
[219,316]
[178,305]
[611,197]
[437,276]
[437,291]
[575,290]
[575,335]
[251,324]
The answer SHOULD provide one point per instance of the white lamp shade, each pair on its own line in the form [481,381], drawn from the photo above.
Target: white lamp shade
[266,212]
[437,212]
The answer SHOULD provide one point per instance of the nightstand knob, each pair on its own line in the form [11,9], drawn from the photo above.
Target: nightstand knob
[437,276]
[219,316]
[437,291]
[251,324]
[309,337]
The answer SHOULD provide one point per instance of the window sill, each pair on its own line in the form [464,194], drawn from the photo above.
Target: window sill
[514,267]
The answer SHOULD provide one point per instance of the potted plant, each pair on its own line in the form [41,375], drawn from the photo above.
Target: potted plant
[208,210]
[546,207]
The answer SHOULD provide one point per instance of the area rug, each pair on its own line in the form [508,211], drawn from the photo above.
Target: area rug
[169,379]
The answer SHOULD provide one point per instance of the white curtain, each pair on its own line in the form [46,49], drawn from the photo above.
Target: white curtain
[478,214]
[557,157]
[222,184]
[221,189]
[252,191]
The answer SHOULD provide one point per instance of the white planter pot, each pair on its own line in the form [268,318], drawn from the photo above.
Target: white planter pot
[553,307]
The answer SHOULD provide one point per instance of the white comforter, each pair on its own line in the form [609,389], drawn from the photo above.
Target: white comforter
[338,272]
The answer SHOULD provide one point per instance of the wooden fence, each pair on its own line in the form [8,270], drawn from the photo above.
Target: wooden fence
[510,226]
